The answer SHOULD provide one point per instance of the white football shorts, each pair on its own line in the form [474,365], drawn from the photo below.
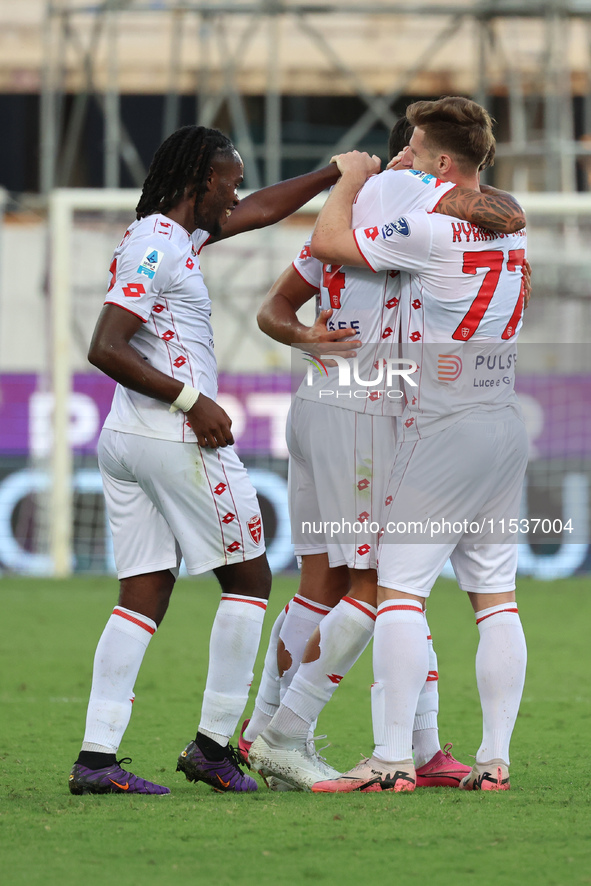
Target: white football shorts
[452,495]
[339,461]
[168,500]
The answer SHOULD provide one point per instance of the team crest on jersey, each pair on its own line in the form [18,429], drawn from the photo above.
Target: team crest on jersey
[149,263]
[255,528]
[401,226]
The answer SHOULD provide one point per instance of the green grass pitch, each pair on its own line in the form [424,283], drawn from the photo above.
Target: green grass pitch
[537,833]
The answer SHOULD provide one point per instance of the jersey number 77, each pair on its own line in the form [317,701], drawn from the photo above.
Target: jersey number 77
[492,259]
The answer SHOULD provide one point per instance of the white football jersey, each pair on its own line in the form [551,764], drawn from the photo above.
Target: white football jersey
[460,314]
[366,300]
[155,274]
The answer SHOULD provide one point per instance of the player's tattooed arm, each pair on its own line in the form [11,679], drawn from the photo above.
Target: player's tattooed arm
[488,208]
[277,318]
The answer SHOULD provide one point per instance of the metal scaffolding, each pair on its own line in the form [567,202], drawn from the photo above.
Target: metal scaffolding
[84,44]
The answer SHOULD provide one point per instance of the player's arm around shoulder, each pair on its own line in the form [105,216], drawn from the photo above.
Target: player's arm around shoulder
[487,208]
[333,240]
[276,202]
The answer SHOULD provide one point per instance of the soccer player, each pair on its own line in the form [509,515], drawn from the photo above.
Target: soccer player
[463,449]
[343,476]
[174,487]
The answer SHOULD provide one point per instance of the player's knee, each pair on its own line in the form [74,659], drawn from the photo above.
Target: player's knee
[251,578]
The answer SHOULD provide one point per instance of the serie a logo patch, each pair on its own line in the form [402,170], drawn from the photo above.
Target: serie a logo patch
[149,263]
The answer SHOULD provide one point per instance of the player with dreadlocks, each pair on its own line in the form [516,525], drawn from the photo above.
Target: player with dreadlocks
[173,485]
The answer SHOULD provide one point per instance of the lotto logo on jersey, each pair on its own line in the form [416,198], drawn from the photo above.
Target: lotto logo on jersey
[401,226]
[449,367]
[134,290]
[149,263]
[255,528]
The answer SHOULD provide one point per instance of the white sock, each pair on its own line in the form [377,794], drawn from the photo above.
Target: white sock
[425,736]
[233,646]
[401,665]
[500,673]
[117,660]
[267,700]
[344,634]
[302,617]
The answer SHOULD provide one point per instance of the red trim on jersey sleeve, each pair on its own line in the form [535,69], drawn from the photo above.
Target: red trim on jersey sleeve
[123,308]
[205,242]
[311,285]
[441,198]
[366,260]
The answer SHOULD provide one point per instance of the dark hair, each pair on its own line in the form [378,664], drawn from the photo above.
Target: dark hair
[181,164]
[399,137]
[458,126]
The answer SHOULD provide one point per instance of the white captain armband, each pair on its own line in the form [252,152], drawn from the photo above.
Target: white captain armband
[185,400]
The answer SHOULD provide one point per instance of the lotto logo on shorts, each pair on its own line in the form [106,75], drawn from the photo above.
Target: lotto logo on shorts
[190,264]
[233,547]
[221,487]
[363,550]
[392,303]
[363,517]
[255,528]
[227,518]
[363,484]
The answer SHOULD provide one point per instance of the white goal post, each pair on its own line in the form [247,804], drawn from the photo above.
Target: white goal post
[562,211]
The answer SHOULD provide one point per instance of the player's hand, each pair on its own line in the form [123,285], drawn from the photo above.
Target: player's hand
[402,160]
[357,163]
[212,425]
[321,340]
[526,272]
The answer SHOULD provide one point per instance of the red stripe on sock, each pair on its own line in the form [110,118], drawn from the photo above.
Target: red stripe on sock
[401,608]
[478,620]
[260,603]
[136,621]
[307,605]
[360,606]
